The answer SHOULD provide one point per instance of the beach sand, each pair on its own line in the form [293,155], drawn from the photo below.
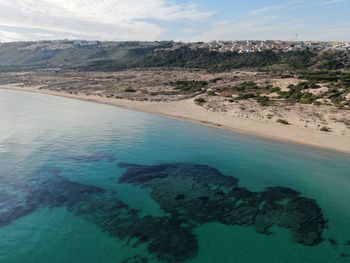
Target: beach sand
[188,110]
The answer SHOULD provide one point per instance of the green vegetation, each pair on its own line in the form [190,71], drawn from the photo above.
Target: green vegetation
[299,93]
[21,56]
[332,60]
[327,76]
[218,61]
[296,94]
[337,97]
[206,59]
[264,101]
[298,60]
[245,90]
[246,86]
[190,86]
[272,89]
[249,90]
[246,96]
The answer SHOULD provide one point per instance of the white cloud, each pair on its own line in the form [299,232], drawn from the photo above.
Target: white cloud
[293,5]
[332,2]
[286,6]
[91,19]
[10,36]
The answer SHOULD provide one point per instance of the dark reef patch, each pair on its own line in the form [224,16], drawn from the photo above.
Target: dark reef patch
[54,192]
[332,242]
[213,197]
[190,194]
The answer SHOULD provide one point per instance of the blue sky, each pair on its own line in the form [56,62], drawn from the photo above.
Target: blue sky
[174,20]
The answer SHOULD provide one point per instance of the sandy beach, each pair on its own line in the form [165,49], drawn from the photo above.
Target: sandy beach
[190,111]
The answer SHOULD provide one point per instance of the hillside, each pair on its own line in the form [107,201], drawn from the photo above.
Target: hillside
[25,55]
[111,56]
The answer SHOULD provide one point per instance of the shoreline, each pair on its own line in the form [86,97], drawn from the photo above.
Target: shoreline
[187,110]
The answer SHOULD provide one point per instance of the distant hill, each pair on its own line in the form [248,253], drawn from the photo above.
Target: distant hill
[110,56]
[63,54]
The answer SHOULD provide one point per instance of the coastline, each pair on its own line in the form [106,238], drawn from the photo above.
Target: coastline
[189,111]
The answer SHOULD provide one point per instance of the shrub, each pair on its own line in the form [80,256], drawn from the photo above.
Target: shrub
[190,86]
[285,122]
[274,89]
[296,95]
[325,129]
[130,90]
[200,100]
[263,101]
[308,85]
[246,96]
[247,85]
[307,98]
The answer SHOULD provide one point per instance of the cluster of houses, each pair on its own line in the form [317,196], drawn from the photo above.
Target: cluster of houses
[249,46]
[47,45]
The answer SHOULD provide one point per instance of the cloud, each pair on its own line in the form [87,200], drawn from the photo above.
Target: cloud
[10,36]
[332,2]
[91,19]
[273,8]
[294,5]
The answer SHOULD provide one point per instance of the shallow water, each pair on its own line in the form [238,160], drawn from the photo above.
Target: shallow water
[61,172]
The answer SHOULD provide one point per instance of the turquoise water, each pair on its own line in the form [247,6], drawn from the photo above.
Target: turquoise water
[45,141]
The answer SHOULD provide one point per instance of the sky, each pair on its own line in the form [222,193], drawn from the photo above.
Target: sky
[180,20]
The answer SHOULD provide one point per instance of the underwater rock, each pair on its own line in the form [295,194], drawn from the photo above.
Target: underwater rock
[333,242]
[180,197]
[52,192]
[213,197]
[59,192]
[168,239]
[165,237]
[7,216]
